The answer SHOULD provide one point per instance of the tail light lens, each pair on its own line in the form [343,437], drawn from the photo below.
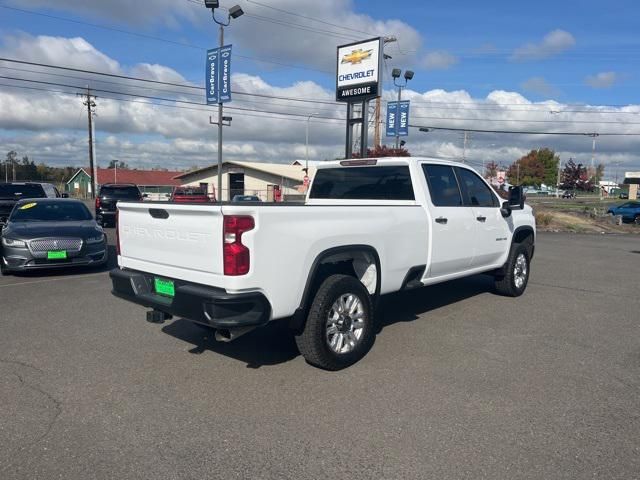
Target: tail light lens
[236,255]
[97,202]
[117,232]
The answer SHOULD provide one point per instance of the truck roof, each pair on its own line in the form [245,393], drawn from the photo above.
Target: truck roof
[360,162]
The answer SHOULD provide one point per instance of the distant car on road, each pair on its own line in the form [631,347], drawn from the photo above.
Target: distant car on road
[629,211]
[51,232]
[624,196]
[110,194]
[245,198]
[568,194]
[189,195]
[11,193]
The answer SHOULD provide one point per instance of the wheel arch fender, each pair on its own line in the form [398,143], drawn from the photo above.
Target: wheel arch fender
[321,268]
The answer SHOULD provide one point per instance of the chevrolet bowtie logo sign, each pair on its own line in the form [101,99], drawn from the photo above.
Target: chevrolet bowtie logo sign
[357,56]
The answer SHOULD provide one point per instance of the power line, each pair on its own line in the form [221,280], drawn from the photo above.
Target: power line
[150,97]
[523,132]
[159,82]
[288,12]
[507,120]
[160,39]
[242,112]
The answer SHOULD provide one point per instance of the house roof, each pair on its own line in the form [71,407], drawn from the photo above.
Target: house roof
[293,172]
[139,177]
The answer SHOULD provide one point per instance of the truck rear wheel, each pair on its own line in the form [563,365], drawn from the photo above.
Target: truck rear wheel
[339,330]
[514,282]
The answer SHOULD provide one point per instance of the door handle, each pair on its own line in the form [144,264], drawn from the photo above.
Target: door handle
[442,220]
[481,219]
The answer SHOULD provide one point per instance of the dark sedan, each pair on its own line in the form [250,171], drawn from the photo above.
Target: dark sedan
[49,233]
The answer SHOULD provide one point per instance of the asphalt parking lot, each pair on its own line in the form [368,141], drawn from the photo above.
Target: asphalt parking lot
[461,383]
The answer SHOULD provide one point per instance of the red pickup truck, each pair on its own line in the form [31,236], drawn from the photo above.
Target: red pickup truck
[189,195]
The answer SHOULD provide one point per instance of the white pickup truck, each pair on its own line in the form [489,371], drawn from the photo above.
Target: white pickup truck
[367,228]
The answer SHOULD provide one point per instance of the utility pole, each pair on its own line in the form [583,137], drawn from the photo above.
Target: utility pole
[90,104]
[376,131]
[464,147]
[558,181]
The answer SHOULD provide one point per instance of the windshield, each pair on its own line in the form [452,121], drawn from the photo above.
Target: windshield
[9,190]
[50,212]
[128,192]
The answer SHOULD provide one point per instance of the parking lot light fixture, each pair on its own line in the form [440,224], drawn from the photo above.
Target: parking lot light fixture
[234,12]
[408,75]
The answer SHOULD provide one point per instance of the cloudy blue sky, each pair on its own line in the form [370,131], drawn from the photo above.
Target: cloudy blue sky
[497,65]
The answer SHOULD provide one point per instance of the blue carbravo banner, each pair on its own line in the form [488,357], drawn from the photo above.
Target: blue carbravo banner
[392,118]
[218,75]
[403,119]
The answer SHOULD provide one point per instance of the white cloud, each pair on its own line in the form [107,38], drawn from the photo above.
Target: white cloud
[602,80]
[134,12]
[540,86]
[262,32]
[51,126]
[70,52]
[439,60]
[553,43]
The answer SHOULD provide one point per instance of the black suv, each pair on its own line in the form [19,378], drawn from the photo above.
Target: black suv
[11,193]
[109,195]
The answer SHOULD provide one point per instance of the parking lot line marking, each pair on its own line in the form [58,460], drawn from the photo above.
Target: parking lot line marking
[52,280]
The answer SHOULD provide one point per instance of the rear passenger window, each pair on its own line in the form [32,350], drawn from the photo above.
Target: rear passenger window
[476,193]
[363,183]
[443,186]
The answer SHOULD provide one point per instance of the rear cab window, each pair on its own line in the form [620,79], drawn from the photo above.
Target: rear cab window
[18,191]
[120,191]
[387,182]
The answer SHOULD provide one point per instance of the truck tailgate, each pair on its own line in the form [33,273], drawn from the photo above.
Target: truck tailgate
[179,241]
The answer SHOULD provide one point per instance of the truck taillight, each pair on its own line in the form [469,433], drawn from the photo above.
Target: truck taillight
[117,232]
[97,202]
[236,255]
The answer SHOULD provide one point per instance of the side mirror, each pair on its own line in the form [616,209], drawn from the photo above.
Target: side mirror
[64,195]
[505,209]
[145,195]
[516,197]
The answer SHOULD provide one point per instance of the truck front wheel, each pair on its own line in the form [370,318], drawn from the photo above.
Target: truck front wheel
[516,272]
[339,329]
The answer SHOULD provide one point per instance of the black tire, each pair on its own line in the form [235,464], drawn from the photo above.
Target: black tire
[313,341]
[509,284]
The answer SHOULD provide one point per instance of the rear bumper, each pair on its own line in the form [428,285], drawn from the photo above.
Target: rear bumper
[199,303]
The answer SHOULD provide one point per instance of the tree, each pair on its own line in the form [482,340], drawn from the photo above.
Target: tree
[535,168]
[491,170]
[118,164]
[599,174]
[575,177]
[384,151]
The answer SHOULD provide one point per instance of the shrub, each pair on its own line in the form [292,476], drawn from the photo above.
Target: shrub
[543,219]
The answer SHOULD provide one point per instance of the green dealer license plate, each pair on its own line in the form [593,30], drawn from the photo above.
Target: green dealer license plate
[164,287]
[57,255]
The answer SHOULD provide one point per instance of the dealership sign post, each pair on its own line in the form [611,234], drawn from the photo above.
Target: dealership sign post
[358,81]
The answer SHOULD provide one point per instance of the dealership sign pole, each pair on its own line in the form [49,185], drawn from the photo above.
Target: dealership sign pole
[358,81]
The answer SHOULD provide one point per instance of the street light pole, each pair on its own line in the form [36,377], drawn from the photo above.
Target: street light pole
[307,144]
[408,75]
[220,111]
[397,113]
[234,12]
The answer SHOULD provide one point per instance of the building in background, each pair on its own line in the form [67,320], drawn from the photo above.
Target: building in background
[269,181]
[633,180]
[157,184]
